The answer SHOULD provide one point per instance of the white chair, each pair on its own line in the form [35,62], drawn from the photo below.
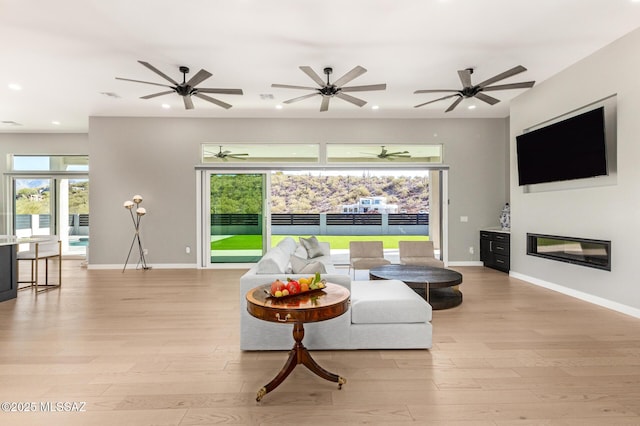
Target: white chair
[418,253]
[366,255]
[42,247]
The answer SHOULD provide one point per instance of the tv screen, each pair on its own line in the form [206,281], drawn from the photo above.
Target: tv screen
[574,148]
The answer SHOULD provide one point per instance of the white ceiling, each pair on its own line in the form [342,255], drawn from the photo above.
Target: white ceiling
[65,53]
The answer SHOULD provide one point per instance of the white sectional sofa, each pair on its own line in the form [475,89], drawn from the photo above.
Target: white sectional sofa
[384,314]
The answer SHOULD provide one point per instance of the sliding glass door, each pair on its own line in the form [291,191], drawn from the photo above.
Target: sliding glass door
[237,217]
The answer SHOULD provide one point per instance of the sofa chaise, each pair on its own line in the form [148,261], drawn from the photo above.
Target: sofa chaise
[384,314]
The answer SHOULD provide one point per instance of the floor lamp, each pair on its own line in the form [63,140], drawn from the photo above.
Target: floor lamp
[140,211]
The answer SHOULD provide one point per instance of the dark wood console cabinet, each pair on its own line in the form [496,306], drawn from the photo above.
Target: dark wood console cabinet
[8,278]
[494,249]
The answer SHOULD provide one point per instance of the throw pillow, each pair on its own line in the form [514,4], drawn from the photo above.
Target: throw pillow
[312,245]
[273,262]
[287,245]
[301,251]
[305,266]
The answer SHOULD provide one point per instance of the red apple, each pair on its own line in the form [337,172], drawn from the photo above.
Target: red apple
[293,286]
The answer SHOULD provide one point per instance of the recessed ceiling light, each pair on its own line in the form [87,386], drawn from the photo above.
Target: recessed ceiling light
[278,106]
[15,86]
[55,122]
[375,107]
[471,107]
[166,106]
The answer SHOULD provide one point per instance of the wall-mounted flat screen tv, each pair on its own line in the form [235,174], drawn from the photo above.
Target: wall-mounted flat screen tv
[574,148]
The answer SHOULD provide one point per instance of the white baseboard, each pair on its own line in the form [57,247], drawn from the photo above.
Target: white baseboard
[605,303]
[154,266]
[465,263]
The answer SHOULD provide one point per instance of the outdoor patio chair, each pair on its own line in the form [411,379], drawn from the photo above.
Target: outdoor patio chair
[418,253]
[366,255]
[42,247]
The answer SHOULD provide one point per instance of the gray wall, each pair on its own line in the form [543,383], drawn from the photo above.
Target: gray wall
[606,212]
[30,144]
[155,157]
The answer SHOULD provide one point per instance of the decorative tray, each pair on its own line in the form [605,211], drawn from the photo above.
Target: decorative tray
[285,289]
[288,296]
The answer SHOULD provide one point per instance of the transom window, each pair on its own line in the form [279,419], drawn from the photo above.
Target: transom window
[50,163]
[335,153]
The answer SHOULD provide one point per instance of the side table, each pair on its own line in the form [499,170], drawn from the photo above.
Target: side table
[318,305]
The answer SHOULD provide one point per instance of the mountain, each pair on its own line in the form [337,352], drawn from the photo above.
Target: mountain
[327,194]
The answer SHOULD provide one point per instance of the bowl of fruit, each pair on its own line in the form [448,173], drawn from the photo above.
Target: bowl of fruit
[291,287]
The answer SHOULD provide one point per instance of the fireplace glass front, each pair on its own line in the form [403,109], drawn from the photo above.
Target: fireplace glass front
[579,251]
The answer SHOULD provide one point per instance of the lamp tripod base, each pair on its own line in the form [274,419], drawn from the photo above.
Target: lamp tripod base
[142,262]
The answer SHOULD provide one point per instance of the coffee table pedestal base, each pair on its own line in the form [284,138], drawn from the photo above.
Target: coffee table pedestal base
[299,354]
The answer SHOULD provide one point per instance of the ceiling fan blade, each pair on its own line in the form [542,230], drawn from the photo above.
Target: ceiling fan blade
[314,76]
[513,71]
[436,90]
[238,156]
[198,78]
[354,73]
[213,100]
[523,85]
[349,98]
[324,106]
[221,91]
[188,102]
[288,86]
[157,71]
[364,88]
[486,98]
[157,94]
[454,104]
[436,100]
[299,98]
[465,77]
[140,81]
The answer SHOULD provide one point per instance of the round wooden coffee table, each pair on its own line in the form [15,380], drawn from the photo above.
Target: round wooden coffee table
[439,285]
[319,305]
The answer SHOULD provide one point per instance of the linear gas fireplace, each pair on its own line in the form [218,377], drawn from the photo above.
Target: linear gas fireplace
[579,251]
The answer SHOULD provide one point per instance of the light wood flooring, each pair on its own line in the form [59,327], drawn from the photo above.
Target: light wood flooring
[160,347]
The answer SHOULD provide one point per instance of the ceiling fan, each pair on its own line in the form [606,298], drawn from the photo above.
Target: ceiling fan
[186,89]
[477,91]
[225,155]
[386,155]
[328,90]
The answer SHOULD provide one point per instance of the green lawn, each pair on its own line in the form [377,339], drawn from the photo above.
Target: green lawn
[237,242]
